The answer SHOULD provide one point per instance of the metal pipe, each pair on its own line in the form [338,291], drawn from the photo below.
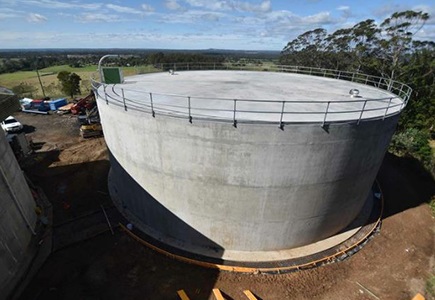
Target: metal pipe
[188,104]
[281,125]
[101,61]
[389,103]
[362,111]
[123,99]
[234,114]
[326,113]
[105,94]
[152,106]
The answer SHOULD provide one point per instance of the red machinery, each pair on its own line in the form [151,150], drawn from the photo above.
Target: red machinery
[84,104]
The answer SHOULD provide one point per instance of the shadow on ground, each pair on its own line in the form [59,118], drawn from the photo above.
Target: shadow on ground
[405,184]
[118,267]
[105,266]
[28,128]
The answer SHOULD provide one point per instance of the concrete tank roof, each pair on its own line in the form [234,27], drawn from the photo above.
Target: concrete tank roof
[212,92]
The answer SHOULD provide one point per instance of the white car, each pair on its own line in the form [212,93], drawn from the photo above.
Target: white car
[11,125]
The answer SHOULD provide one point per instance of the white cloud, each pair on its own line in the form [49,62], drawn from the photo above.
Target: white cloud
[174,5]
[284,17]
[345,11]
[4,16]
[7,13]
[385,11]
[426,34]
[264,6]
[53,4]
[193,16]
[427,9]
[36,18]
[123,9]
[97,18]
[225,5]
[147,7]
[144,39]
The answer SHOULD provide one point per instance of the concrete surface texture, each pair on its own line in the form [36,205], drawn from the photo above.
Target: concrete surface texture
[259,96]
[252,188]
[8,103]
[17,220]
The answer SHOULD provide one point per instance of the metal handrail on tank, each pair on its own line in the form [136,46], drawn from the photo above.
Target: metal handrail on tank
[230,107]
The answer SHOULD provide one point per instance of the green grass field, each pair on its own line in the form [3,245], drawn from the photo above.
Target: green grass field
[50,82]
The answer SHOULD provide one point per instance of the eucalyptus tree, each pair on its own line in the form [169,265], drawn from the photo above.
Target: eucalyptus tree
[307,49]
[398,31]
[419,73]
[364,36]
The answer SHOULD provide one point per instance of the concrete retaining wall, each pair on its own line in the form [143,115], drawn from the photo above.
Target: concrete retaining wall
[16,206]
[8,103]
[251,188]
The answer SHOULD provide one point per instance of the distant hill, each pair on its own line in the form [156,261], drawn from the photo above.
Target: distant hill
[5,53]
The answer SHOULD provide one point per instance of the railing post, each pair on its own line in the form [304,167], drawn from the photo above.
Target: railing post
[326,113]
[281,124]
[400,91]
[152,105]
[175,67]
[188,105]
[339,74]
[234,114]
[105,94]
[367,79]
[123,99]
[388,107]
[353,76]
[390,84]
[401,105]
[379,83]
[362,111]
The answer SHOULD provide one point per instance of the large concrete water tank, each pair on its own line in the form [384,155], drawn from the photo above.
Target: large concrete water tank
[214,161]
[17,210]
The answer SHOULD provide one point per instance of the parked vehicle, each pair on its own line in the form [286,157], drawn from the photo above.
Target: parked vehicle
[11,125]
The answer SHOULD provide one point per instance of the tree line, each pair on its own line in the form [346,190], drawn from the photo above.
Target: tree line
[28,61]
[388,49]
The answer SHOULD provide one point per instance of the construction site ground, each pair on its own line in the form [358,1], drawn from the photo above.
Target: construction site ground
[88,262]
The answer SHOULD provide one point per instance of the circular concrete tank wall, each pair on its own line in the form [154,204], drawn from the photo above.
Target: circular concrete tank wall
[271,184]
[17,212]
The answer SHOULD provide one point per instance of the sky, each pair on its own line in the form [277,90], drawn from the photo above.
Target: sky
[186,24]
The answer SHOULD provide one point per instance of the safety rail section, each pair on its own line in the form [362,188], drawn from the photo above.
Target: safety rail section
[272,111]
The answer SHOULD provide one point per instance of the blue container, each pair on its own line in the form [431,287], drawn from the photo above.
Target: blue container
[43,107]
[55,104]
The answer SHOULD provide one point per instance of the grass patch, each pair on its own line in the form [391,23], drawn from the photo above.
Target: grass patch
[432,206]
[432,145]
[430,287]
[57,69]
[51,83]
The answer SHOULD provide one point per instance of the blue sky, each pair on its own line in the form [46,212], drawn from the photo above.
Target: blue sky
[185,24]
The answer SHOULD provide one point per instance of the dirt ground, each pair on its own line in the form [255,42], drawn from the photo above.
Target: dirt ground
[73,173]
